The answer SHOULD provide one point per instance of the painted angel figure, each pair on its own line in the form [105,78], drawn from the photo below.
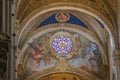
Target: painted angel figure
[38,53]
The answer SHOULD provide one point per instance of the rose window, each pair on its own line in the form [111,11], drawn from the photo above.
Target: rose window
[62,44]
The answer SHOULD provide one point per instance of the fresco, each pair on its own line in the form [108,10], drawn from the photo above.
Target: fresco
[63,17]
[62,49]
[39,57]
[88,57]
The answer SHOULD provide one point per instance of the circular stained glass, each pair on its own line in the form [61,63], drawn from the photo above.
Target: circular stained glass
[62,44]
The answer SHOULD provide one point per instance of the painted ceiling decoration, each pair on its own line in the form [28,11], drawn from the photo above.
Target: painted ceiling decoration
[27,6]
[62,17]
[60,38]
[74,19]
[61,50]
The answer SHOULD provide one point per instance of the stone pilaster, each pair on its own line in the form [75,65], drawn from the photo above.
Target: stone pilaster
[118,22]
[117,64]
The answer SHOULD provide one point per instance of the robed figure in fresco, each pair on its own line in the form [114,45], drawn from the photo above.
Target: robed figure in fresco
[38,54]
[91,53]
[88,59]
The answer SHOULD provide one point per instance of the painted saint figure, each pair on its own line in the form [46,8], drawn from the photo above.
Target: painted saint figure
[38,54]
[91,54]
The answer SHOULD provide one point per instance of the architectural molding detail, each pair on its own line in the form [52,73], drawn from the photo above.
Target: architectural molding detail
[27,6]
[116,57]
[113,5]
[118,23]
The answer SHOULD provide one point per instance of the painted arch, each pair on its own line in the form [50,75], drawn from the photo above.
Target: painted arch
[56,44]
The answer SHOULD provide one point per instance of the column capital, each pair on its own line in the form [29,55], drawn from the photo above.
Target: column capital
[116,56]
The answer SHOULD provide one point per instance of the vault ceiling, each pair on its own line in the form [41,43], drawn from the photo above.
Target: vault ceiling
[108,8]
[113,5]
[27,6]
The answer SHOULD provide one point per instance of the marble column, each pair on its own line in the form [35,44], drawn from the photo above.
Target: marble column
[12,34]
[116,57]
[9,28]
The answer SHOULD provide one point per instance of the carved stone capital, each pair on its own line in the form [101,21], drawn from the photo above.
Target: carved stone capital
[116,56]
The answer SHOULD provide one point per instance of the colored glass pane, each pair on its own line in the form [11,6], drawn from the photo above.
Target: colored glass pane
[62,44]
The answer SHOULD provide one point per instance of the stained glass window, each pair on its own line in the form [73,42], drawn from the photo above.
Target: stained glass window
[62,44]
